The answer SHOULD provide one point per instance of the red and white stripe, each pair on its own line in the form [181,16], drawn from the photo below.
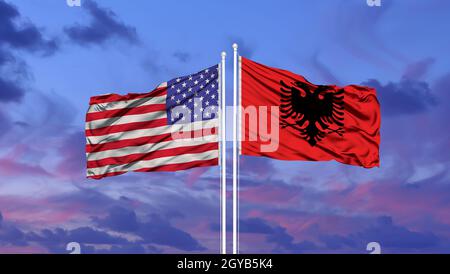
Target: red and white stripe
[131,133]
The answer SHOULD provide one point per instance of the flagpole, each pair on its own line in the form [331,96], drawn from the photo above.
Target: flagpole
[235,204]
[239,140]
[223,162]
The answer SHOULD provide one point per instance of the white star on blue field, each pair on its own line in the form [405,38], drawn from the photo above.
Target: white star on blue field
[196,95]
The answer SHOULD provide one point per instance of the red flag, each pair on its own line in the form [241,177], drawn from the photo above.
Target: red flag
[314,122]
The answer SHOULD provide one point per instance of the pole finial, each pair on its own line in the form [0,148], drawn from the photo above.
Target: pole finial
[235,46]
[224,54]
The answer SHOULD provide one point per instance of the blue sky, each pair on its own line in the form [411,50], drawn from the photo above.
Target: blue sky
[54,57]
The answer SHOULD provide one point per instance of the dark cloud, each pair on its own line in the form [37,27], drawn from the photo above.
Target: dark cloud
[255,225]
[12,235]
[104,26]
[403,98]
[418,69]
[5,57]
[10,91]
[147,231]
[182,56]
[159,231]
[390,235]
[384,231]
[120,219]
[275,234]
[5,123]
[97,202]
[22,36]
[18,35]
[244,48]
[9,234]
[336,242]
[249,225]
[286,243]
[156,230]
[57,239]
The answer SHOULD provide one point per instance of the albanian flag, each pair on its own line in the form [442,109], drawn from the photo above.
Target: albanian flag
[288,118]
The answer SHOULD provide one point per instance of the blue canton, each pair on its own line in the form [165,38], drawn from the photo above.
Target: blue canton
[194,97]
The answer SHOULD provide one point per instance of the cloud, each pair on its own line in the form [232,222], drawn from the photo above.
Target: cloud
[72,150]
[155,230]
[5,123]
[11,72]
[441,86]
[255,225]
[355,26]
[22,36]
[182,56]
[394,236]
[13,167]
[194,175]
[103,27]
[260,167]
[129,249]
[285,243]
[57,239]
[9,234]
[385,232]
[159,231]
[12,235]
[274,234]
[403,98]
[244,48]
[10,91]
[119,219]
[417,70]
[88,235]
[131,232]
[18,35]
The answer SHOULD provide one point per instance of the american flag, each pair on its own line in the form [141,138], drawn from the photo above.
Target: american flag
[173,127]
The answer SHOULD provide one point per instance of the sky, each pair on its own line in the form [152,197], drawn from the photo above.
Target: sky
[54,57]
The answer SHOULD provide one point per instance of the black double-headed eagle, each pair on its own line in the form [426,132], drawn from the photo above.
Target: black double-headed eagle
[314,111]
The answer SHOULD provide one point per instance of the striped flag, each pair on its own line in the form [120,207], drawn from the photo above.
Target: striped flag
[173,127]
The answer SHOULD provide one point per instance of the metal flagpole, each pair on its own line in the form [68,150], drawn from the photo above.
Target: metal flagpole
[239,124]
[223,162]
[239,140]
[235,202]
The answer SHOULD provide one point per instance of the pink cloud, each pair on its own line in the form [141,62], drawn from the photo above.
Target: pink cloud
[194,175]
[29,211]
[9,167]
[267,194]
[23,250]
